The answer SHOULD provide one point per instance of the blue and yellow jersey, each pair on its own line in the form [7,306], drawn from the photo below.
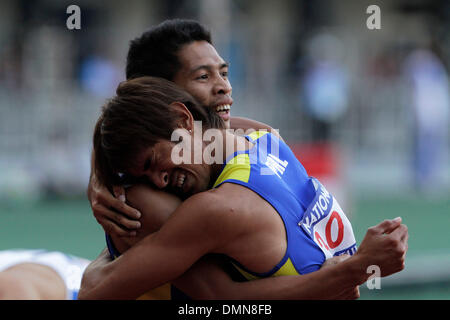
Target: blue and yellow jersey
[315,225]
[164,292]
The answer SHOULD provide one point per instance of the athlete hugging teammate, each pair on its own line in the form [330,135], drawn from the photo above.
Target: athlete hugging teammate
[252,218]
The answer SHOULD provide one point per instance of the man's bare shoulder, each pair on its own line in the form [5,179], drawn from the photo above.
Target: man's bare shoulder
[221,201]
[221,208]
[207,219]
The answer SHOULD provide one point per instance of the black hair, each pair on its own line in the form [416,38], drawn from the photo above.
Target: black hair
[155,52]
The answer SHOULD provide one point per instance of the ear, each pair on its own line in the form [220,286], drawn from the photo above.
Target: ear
[186,119]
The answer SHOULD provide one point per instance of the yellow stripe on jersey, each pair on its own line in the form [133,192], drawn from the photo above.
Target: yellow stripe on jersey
[255,135]
[161,293]
[247,275]
[237,168]
[287,269]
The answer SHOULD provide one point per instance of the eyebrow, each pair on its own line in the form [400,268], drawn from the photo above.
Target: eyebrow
[210,67]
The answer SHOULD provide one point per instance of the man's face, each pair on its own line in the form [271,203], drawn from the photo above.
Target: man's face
[156,164]
[204,74]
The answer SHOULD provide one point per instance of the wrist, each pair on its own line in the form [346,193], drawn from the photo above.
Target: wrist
[355,268]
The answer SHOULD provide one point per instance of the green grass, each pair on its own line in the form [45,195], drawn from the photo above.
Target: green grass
[64,225]
[428,220]
[423,292]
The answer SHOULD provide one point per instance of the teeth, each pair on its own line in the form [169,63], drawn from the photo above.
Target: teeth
[224,107]
[181,179]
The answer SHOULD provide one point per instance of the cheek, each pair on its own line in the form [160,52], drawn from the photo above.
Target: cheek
[202,177]
[206,175]
[200,93]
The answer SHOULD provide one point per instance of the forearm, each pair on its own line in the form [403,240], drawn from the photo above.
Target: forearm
[118,279]
[138,270]
[107,284]
[333,282]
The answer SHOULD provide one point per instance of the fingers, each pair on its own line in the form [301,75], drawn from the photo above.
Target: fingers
[113,228]
[397,242]
[387,226]
[125,209]
[114,215]
[105,199]
[385,245]
[117,217]
[119,193]
[400,233]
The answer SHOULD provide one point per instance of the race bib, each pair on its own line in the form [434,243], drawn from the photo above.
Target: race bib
[327,225]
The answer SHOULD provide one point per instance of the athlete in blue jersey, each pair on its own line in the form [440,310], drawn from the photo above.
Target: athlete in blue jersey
[191,62]
[316,227]
[241,217]
[206,279]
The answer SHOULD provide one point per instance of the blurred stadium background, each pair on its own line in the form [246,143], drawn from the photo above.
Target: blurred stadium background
[367,111]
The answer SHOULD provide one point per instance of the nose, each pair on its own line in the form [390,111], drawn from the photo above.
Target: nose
[160,179]
[222,86]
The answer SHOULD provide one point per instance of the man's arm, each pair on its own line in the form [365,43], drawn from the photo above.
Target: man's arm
[165,255]
[207,280]
[331,283]
[112,213]
[208,277]
[384,245]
